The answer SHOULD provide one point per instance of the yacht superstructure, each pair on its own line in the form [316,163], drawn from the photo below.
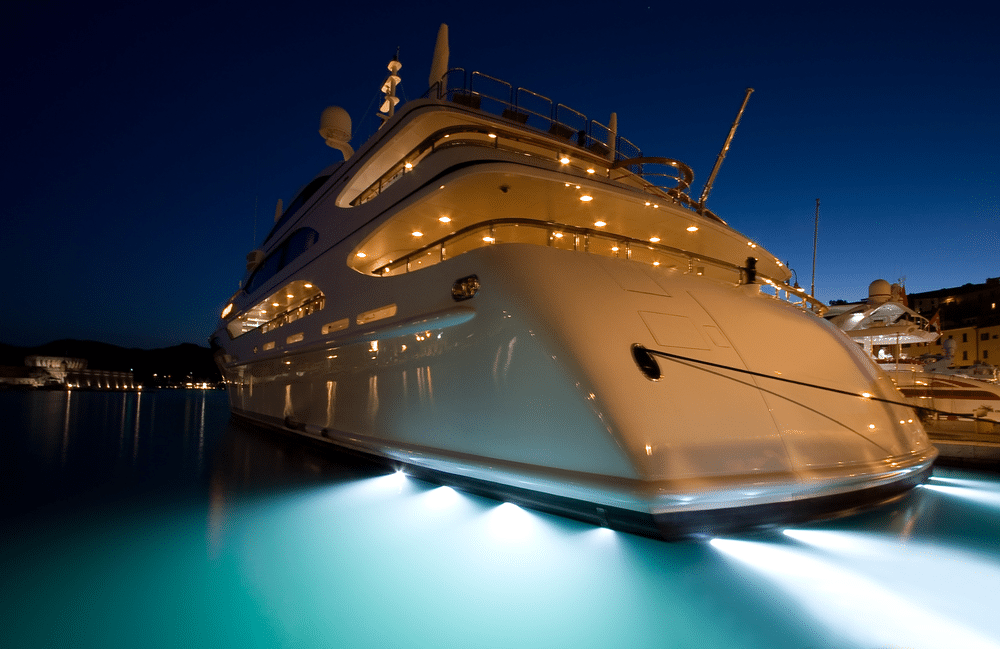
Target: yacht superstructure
[478,294]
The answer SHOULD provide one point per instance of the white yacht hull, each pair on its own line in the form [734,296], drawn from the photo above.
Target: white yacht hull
[529,391]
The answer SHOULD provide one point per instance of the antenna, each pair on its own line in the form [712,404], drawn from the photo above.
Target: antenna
[812,284]
[722,154]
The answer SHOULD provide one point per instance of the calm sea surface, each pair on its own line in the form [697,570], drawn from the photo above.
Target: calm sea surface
[153,520]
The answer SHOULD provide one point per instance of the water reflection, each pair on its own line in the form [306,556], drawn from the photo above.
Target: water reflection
[261,540]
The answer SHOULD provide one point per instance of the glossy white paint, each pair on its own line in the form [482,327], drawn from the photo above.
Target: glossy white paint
[531,383]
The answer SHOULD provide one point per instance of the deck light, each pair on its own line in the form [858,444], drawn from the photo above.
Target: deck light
[493,136]
[558,235]
[362,255]
[614,248]
[590,170]
[586,198]
[564,160]
[417,233]
[289,296]
[445,219]
[692,228]
[308,285]
[488,239]
[408,165]
[227,310]
[654,239]
[274,304]
[599,224]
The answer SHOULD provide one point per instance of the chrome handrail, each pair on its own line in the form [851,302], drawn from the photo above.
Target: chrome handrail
[581,238]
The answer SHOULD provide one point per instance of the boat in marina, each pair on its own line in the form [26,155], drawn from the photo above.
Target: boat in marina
[498,293]
[933,383]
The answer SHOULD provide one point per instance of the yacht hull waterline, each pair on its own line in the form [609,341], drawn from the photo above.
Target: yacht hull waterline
[500,359]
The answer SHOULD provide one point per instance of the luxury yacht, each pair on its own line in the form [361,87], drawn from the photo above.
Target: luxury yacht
[933,383]
[497,293]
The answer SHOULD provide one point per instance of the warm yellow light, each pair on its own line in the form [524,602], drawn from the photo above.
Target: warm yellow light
[408,165]
[692,228]
[308,285]
[362,255]
[227,310]
[493,136]
[590,171]
[866,395]
[656,263]
[417,233]
[654,239]
[289,296]
[567,184]
[599,224]
[871,426]
[275,304]
[558,235]
[586,199]
[488,239]
[614,248]
[445,219]
[655,205]
[647,203]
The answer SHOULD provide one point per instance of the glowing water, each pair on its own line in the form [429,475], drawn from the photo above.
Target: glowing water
[270,544]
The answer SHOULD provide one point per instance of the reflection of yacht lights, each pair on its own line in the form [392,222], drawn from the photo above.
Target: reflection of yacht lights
[654,239]
[417,233]
[362,255]
[692,228]
[585,198]
[564,160]
[445,219]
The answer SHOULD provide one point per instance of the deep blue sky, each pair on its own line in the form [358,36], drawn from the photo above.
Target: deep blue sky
[139,142]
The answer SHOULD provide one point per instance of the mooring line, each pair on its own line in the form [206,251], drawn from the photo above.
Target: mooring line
[865,395]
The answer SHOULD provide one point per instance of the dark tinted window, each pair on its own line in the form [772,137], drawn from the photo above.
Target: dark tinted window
[297,203]
[296,244]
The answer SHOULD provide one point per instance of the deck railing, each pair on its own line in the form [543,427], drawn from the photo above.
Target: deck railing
[568,237]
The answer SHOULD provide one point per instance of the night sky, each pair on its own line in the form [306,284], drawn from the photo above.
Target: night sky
[140,143]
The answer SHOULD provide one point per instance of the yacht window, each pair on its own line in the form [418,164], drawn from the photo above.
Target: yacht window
[286,305]
[297,203]
[296,244]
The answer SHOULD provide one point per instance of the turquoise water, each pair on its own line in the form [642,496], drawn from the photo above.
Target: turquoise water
[155,521]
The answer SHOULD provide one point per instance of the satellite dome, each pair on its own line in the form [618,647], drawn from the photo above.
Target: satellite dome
[879,291]
[335,127]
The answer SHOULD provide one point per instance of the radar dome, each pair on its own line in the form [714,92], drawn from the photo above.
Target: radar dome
[879,291]
[335,127]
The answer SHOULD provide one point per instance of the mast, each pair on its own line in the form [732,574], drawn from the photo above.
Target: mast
[812,285]
[722,154]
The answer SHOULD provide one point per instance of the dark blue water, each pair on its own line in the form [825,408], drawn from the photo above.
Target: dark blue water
[153,520]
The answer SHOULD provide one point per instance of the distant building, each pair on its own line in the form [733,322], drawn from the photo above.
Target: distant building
[59,371]
[969,315]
